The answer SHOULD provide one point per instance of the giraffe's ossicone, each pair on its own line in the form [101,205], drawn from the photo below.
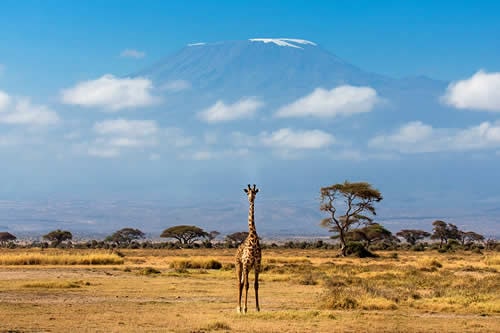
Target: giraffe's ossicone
[249,255]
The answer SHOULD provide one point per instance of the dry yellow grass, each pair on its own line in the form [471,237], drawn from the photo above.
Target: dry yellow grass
[301,291]
[47,258]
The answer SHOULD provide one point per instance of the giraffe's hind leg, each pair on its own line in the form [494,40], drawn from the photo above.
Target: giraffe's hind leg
[239,271]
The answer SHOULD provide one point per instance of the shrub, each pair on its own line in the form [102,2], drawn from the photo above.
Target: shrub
[418,247]
[308,279]
[149,271]
[357,249]
[218,325]
[187,263]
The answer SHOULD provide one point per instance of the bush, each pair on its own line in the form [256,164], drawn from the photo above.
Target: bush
[149,271]
[186,263]
[357,249]
[418,247]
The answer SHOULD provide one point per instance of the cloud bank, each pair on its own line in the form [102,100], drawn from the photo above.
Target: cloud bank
[111,93]
[479,92]
[176,85]
[417,137]
[131,53]
[340,101]
[297,139]
[221,112]
[20,111]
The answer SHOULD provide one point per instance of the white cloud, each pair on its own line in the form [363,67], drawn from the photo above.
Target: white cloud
[126,127]
[205,155]
[357,155]
[111,93]
[22,112]
[104,152]
[416,137]
[118,134]
[176,85]
[131,53]
[479,92]
[343,100]
[220,112]
[290,139]
[285,142]
[4,100]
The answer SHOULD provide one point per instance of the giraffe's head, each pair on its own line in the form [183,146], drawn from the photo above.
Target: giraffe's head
[251,192]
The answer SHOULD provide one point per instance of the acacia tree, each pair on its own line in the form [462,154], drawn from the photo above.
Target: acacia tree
[185,234]
[58,236]
[347,203]
[412,235]
[236,238]
[444,232]
[469,237]
[6,237]
[370,233]
[125,236]
[212,235]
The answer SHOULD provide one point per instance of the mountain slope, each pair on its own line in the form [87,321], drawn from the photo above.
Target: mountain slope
[280,71]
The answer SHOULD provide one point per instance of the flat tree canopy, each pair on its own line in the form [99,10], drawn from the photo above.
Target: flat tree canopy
[370,233]
[346,203]
[469,237]
[237,238]
[412,235]
[125,236]
[185,234]
[58,236]
[6,236]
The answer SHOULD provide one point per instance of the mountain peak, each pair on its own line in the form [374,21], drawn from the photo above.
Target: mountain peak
[290,42]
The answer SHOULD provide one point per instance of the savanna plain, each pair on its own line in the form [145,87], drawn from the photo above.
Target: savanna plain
[194,290]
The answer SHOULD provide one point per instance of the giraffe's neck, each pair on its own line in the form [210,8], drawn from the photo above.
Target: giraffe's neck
[251,224]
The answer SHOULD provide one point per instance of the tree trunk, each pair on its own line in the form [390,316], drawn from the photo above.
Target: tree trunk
[343,248]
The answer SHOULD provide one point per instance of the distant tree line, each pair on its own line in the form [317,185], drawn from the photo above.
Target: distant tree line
[350,207]
[367,237]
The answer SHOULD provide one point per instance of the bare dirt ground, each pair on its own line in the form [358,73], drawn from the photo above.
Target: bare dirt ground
[122,299]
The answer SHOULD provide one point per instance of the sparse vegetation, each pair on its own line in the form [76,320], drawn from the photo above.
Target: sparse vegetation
[302,289]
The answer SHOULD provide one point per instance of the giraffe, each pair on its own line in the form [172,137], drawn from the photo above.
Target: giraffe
[249,255]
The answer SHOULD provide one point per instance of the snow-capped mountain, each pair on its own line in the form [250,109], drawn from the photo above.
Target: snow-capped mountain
[279,71]
[257,66]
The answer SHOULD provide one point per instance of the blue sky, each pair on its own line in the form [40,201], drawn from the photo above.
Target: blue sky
[72,40]
[49,46]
